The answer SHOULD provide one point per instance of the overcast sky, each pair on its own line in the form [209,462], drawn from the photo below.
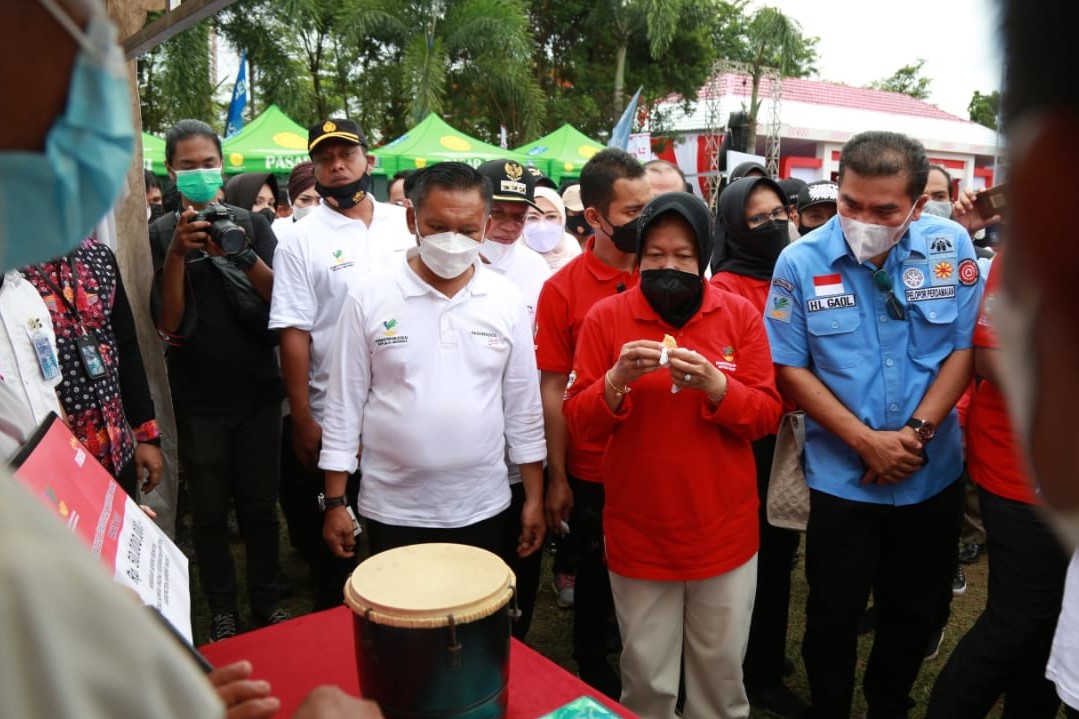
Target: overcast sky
[866,40]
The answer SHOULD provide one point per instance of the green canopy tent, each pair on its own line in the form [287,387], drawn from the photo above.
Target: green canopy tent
[272,142]
[564,151]
[153,154]
[433,141]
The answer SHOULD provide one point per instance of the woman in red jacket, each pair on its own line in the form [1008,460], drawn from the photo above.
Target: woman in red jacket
[754,217]
[678,375]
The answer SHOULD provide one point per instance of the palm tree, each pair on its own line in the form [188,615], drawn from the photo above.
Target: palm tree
[482,45]
[660,19]
[775,41]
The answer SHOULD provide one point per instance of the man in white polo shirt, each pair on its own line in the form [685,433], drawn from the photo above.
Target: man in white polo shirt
[506,253]
[342,239]
[434,371]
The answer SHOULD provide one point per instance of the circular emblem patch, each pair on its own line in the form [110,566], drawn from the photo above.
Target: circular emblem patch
[913,278]
[968,272]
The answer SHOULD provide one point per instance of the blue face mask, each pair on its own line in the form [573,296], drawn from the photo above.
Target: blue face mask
[49,201]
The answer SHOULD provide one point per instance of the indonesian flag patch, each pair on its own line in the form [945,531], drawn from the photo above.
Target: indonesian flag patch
[827,285]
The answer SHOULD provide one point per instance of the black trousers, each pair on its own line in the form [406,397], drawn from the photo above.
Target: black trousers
[907,556]
[766,651]
[300,488]
[527,569]
[593,604]
[485,534]
[234,459]
[1006,650]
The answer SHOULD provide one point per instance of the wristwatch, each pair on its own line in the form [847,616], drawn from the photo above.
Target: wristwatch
[325,502]
[925,429]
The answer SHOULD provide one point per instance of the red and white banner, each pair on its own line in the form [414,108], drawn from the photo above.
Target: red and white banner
[66,478]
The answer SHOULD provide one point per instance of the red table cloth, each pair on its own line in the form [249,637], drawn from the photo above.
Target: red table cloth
[298,655]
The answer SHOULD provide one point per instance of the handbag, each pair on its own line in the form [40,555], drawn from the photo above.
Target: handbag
[787,504]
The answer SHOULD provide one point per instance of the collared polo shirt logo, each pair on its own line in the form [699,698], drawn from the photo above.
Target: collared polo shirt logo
[968,272]
[340,262]
[338,257]
[727,363]
[390,336]
[943,270]
[824,285]
[389,328]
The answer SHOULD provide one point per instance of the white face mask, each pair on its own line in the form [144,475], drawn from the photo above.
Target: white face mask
[298,213]
[940,208]
[866,240]
[448,254]
[543,236]
[497,252]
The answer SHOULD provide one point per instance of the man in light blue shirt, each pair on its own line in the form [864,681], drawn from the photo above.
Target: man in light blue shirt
[870,319]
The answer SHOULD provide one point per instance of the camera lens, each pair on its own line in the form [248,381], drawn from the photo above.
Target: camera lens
[229,237]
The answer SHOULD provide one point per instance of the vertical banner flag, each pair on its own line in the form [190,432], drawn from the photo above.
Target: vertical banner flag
[235,121]
[620,133]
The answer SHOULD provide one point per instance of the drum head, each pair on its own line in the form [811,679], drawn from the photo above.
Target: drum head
[422,585]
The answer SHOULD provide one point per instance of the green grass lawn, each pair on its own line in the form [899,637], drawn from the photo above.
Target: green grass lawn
[550,633]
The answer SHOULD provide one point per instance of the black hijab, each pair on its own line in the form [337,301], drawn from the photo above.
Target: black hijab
[745,252]
[242,190]
[691,209]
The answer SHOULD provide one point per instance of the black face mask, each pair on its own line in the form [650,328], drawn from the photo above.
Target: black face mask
[156,211]
[578,227]
[770,238]
[348,195]
[624,236]
[674,295]
[803,230]
[268,213]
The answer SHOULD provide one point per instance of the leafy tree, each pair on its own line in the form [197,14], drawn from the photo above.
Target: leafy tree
[907,80]
[177,77]
[772,40]
[984,109]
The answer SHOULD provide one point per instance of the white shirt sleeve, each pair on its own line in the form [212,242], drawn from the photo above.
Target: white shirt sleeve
[346,394]
[521,404]
[293,302]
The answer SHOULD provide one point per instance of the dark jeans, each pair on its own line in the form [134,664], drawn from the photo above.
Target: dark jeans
[907,555]
[526,569]
[1006,650]
[592,601]
[485,534]
[766,651]
[234,459]
[300,488]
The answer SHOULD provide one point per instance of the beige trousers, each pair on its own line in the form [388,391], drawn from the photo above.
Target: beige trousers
[708,621]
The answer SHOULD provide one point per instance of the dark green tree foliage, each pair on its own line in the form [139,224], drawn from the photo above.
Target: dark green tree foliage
[984,109]
[907,80]
[177,82]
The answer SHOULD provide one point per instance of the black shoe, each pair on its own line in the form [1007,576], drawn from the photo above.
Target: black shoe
[868,622]
[224,626]
[778,701]
[970,553]
[933,650]
[275,617]
[959,582]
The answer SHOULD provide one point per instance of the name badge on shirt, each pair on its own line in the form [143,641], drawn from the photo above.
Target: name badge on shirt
[46,358]
[831,302]
[90,355]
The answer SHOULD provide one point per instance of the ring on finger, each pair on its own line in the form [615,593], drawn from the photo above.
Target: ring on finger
[638,363]
[688,377]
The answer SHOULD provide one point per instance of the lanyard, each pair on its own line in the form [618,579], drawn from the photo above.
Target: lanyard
[60,292]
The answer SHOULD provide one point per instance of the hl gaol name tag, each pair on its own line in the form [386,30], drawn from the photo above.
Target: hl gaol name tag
[832,302]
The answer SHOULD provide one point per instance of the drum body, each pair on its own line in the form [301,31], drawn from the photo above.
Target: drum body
[431,624]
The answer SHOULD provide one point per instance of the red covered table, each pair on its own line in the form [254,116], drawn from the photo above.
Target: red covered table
[298,655]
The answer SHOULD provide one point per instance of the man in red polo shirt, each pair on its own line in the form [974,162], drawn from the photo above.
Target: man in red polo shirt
[614,190]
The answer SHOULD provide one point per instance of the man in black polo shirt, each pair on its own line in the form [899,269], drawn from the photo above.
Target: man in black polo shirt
[210,301]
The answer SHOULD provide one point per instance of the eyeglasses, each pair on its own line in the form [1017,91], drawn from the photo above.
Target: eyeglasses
[883,281]
[757,220]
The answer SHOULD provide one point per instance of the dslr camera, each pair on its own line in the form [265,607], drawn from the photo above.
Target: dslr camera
[224,231]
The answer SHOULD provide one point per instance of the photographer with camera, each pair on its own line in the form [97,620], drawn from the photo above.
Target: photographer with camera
[210,300]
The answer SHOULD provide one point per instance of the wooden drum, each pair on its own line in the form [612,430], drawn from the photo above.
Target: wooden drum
[432,630]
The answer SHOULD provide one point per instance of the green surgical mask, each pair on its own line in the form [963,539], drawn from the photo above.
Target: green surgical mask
[199,185]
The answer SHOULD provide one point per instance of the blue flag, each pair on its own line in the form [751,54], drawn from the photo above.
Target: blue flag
[620,133]
[235,121]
